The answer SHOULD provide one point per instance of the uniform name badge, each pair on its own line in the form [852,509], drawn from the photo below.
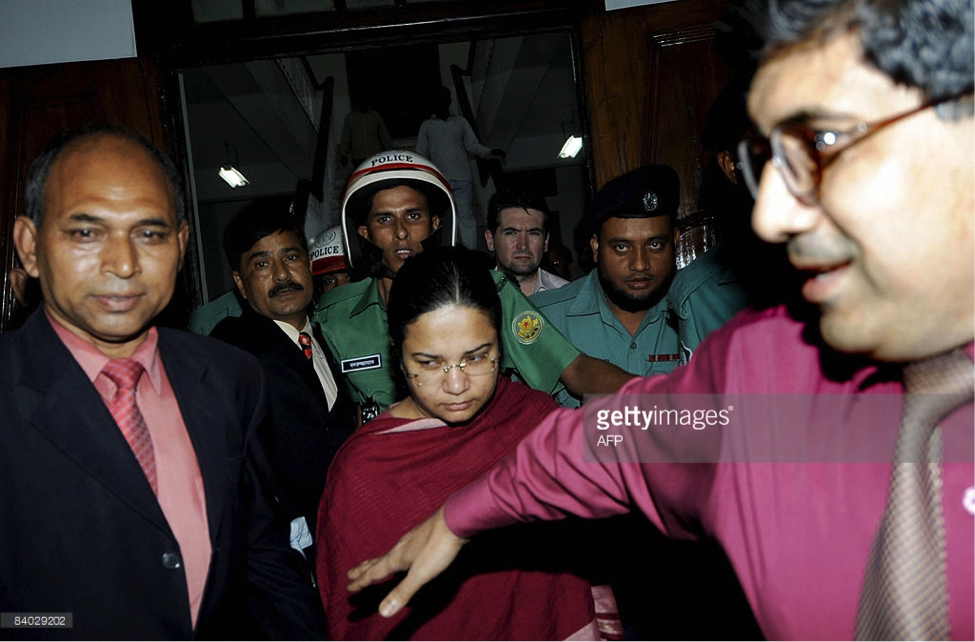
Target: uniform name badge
[357,364]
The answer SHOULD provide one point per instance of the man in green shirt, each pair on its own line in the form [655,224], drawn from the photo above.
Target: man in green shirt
[396,204]
[635,309]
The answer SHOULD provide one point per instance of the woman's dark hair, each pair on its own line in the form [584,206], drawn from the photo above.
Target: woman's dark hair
[439,278]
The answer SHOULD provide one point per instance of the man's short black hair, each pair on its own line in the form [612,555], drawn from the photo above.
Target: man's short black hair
[263,217]
[41,167]
[518,198]
[925,44]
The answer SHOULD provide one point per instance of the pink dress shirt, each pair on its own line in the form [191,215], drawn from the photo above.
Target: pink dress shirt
[798,533]
[181,496]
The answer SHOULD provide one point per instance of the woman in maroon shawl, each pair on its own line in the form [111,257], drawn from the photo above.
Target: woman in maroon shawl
[459,420]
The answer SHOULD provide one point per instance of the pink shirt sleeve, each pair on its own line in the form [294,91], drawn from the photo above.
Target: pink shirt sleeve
[546,478]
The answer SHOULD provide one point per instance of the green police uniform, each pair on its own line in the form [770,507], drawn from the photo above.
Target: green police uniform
[701,298]
[203,320]
[353,321]
[580,312]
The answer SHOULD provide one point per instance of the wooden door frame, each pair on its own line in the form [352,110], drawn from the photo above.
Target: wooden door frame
[45,100]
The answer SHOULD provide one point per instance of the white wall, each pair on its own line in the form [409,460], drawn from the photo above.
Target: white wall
[40,32]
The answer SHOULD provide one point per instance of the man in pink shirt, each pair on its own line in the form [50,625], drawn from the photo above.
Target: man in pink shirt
[135,495]
[865,111]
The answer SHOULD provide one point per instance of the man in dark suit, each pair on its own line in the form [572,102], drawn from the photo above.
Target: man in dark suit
[311,415]
[135,495]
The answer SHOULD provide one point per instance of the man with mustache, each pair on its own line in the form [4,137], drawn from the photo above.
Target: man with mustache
[517,233]
[619,312]
[310,414]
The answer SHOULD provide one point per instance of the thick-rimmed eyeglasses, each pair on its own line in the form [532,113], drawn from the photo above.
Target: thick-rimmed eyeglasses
[432,373]
[801,153]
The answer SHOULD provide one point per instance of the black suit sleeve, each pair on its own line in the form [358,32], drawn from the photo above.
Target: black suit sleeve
[268,593]
[280,597]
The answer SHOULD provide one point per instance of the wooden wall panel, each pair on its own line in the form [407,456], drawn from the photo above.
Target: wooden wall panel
[651,75]
[685,78]
[649,72]
[616,56]
[37,103]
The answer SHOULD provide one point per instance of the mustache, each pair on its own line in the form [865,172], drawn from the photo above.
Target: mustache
[285,286]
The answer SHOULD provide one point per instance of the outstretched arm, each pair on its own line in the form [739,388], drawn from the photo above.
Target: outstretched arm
[590,376]
[425,552]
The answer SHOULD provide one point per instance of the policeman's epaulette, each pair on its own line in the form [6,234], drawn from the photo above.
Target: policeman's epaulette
[500,280]
[707,269]
[551,297]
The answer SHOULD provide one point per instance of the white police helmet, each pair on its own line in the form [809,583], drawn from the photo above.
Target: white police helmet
[397,168]
[328,252]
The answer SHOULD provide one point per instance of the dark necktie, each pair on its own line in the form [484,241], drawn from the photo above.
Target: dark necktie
[905,593]
[305,340]
[125,373]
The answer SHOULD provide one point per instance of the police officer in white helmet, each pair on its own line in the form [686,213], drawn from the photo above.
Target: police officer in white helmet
[397,204]
[329,264]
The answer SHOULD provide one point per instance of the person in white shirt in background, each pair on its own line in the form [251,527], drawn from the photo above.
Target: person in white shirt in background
[448,141]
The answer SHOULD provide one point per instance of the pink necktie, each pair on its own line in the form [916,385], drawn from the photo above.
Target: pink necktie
[905,592]
[125,373]
[305,340]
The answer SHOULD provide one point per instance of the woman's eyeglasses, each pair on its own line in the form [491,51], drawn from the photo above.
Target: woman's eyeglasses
[432,373]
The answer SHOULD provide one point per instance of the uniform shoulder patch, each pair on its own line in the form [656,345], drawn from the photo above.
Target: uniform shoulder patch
[566,293]
[527,326]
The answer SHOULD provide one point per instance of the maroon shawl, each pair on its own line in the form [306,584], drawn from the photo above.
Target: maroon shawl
[507,584]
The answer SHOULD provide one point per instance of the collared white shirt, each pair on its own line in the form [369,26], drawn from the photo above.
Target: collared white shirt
[317,356]
[543,280]
[548,281]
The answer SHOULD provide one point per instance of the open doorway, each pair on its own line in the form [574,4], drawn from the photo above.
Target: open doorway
[521,94]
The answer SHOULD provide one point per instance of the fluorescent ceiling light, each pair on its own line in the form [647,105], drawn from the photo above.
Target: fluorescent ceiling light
[233,177]
[571,148]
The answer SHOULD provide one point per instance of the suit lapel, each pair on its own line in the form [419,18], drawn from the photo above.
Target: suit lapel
[71,414]
[195,395]
[292,356]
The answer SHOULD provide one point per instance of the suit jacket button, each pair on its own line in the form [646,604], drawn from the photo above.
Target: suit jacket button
[171,561]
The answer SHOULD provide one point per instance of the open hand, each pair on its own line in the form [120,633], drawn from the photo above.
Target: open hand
[425,552]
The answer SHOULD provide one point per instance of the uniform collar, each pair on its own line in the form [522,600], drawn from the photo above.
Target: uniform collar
[371,296]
